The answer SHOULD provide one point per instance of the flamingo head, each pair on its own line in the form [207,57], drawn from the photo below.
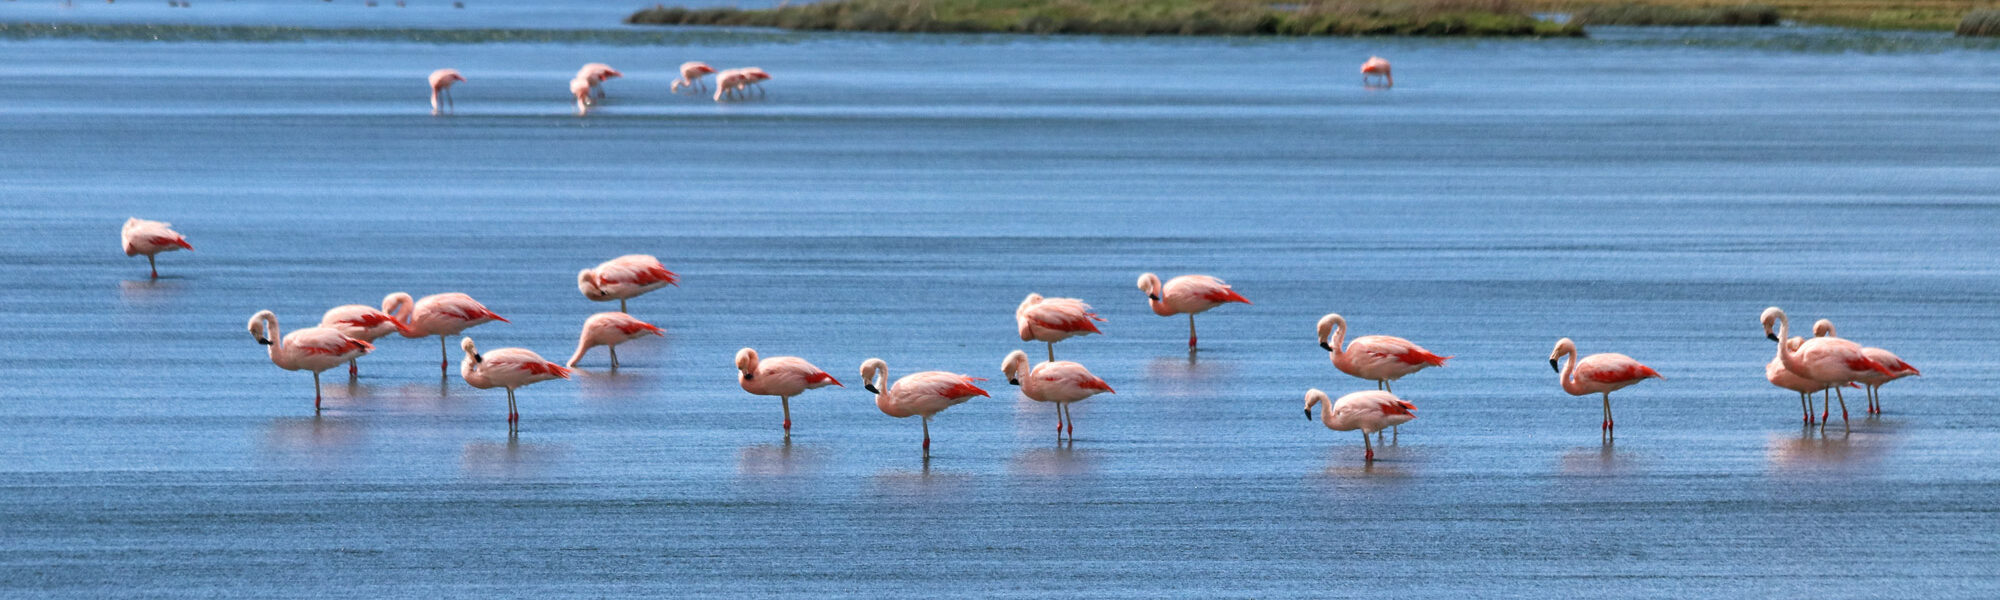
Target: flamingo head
[1823,328]
[1150,284]
[471,351]
[586,282]
[1772,316]
[1563,346]
[257,326]
[1014,366]
[1792,345]
[1313,398]
[746,363]
[1326,326]
[868,370]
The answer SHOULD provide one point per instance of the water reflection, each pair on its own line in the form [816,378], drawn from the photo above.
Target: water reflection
[925,482]
[1602,459]
[1811,449]
[147,291]
[607,385]
[508,459]
[1063,460]
[775,460]
[312,435]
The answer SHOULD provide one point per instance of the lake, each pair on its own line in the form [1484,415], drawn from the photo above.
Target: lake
[1645,192]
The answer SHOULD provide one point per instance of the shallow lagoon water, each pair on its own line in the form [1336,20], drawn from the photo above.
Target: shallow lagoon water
[895,196]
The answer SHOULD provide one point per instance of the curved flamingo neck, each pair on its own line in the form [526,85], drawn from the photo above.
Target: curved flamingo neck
[275,339]
[1569,374]
[1338,343]
[1158,300]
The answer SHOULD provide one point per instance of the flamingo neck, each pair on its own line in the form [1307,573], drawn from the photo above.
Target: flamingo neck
[274,339]
[1569,374]
[1338,343]
[1157,300]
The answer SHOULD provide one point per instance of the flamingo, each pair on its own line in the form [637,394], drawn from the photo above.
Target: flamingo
[510,368]
[1378,358]
[1874,380]
[609,329]
[441,81]
[594,75]
[1377,66]
[1370,411]
[580,89]
[781,376]
[1598,374]
[151,238]
[1775,373]
[730,81]
[921,394]
[692,73]
[1052,320]
[1189,294]
[1829,360]
[365,323]
[314,349]
[1059,382]
[755,76]
[624,278]
[442,315]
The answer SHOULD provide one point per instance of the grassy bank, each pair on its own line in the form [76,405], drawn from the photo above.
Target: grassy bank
[1653,14]
[1984,23]
[1494,18]
[1941,15]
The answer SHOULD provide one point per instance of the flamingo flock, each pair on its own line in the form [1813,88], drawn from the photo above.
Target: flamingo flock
[587,87]
[1823,364]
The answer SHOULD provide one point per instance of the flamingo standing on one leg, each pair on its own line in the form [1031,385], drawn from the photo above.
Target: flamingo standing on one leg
[1379,358]
[781,376]
[1598,374]
[510,368]
[151,238]
[1873,379]
[1369,411]
[1377,67]
[580,89]
[442,315]
[1829,360]
[624,278]
[609,329]
[441,81]
[594,74]
[1189,294]
[1051,320]
[918,394]
[314,349]
[1059,382]
[692,73]
[365,323]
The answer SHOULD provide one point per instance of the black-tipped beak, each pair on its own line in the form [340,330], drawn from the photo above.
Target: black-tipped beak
[1325,346]
[1770,336]
[1153,297]
[871,388]
[747,376]
[478,359]
[1555,366]
[1309,414]
[264,341]
[1013,381]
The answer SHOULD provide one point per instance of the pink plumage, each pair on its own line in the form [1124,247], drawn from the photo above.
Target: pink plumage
[1368,411]
[1378,358]
[624,278]
[511,368]
[918,394]
[1187,294]
[781,376]
[609,329]
[1051,320]
[140,236]
[1060,382]
[314,349]
[1598,374]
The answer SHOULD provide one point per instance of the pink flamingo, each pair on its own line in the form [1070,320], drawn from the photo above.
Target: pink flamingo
[314,349]
[781,376]
[1775,373]
[441,81]
[609,329]
[580,89]
[1829,360]
[365,323]
[151,238]
[1873,379]
[624,278]
[692,73]
[730,81]
[1189,294]
[1378,358]
[1377,67]
[442,315]
[1598,374]
[755,77]
[1059,382]
[594,75]
[510,368]
[1052,320]
[1369,411]
[921,394]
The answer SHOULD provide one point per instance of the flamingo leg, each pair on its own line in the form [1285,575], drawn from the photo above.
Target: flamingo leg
[1843,406]
[315,392]
[1059,421]
[353,369]
[1070,415]
[1825,404]
[786,401]
[1190,331]
[153,265]
[1370,456]
[449,102]
[1609,425]
[444,356]
[927,437]
[1805,407]
[621,306]
[614,356]
[513,415]
[1052,351]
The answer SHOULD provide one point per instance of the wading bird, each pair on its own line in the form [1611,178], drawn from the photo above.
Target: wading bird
[1051,320]
[918,394]
[1190,294]
[365,323]
[781,376]
[1369,411]
[609,329]
[1873,379]
[594,74]
[624,278]
[510,368]
[1378,358]
[1377,68]
[1059,382]
[1829,360]
[313,349]
[151,238]
[1598,374]
[692,73]
[442,315]
[441,82]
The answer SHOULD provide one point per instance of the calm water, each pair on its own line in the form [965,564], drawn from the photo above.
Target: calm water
[1643,192]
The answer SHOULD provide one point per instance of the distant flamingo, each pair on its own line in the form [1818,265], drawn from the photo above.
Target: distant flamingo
[918,394]
[1378,358]
[1829,360]
[609,329]
[594,74]
[314,349]
[755,77]
[1189,294]
[729,82]
[624,278]
[365,323]
[441,81]
[442,315]
[1377,66]
[781,376]
[1059,382]
[1874,379]
[1598,374]
[692,73]
[1369,411]
[580,89]
[151,238]
[1052,320]
[510,368]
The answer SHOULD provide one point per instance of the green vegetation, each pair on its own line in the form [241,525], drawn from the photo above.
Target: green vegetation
[1866,14]
[1653,14]
[1980,23]
[1135,17]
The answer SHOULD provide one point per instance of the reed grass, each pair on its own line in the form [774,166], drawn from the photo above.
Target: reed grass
[1985,23]
[1696,16]
[1493,18]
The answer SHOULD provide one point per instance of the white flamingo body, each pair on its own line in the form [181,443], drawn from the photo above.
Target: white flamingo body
[443,315]
[366,323]
[511,368]
[624,278]
[1598,374]
[1378,358]
[1187,294]
[313,349]
[1051,320]
[140,236]
[1369,411]
[781,376]
[1061,382]
[918,394]
[609,329]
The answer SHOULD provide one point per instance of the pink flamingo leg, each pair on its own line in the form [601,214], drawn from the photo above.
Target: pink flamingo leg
[1370,456]
[315,392]
[927,436]
[1190,331]
[154,265]
[786,401]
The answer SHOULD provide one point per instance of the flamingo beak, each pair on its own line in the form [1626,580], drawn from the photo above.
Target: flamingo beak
[871,388]
[263,341]
[1309,414]
[1554,366]
[1324,346]
[476,359]
[1013,381]
[1770,336]
[1153,297]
